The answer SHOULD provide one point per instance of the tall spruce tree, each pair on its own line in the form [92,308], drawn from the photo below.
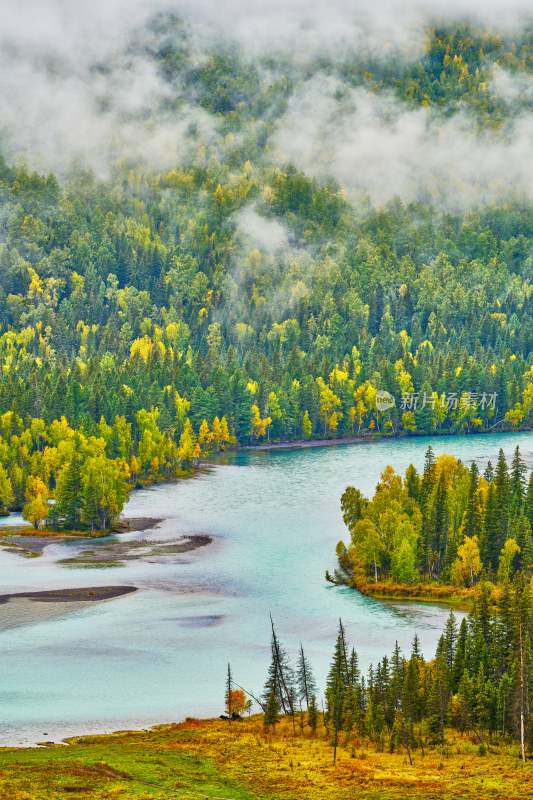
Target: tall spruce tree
[450,639]
[426,489]
[517,482]
[528,503]
[490,540]
[229,685]
[472,515]
[459,661]
[353,668]
[412,482]
[428,477]
[520,531]
[397,676]
[305,682]
[69,494]
[489,472]
[482,700]
[280,678]
[411,698]
[337,680]
[271,715]
[503,495]
[312,714]
[439,540]
[415,648]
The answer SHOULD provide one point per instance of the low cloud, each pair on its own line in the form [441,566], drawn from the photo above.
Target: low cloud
[79,84]
[513,88]
[264,234]
[73,88]
[375,146]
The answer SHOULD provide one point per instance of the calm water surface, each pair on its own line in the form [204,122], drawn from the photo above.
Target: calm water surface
[161,653]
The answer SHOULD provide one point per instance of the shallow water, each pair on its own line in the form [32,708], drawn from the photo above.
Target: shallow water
[13,520]
[161,653]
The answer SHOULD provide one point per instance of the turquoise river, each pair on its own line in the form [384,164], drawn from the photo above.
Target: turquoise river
[161,653]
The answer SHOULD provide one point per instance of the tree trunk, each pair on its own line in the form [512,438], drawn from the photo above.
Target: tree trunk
[441,707]
[522,734]
[336,732]
[305,678]
[503,716]
[278,659]
[405,744]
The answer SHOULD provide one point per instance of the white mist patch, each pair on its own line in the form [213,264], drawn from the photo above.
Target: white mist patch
[377,147]
[512,88]
[73,91]
[303,29]
[75,87]
[97,117]
[264,234]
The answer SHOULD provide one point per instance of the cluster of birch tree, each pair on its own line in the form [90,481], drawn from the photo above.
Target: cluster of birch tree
[449,524]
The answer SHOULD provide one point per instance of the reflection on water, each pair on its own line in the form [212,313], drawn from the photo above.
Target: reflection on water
[199,622]
[161,653]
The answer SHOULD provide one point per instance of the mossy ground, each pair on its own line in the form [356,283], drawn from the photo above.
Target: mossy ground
[242,762]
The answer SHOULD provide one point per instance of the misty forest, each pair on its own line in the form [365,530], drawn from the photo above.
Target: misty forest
[142,309]
[276,228]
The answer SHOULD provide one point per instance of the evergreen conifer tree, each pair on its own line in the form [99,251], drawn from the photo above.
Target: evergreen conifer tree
[490,541]
[69,493]
[280,678]
[517,482]
[472,515]
[305,682]
[450,639]
[503,496]
[229,684]
[312,714]
[271,715]
[459,661]
[411,698]
[337,680]
[415,648]
[489,472]
[528,502]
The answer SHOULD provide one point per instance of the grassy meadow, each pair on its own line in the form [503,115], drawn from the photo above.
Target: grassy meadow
[211,758]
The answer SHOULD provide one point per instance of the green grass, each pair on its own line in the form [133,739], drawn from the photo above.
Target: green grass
[243,762]
[80,770]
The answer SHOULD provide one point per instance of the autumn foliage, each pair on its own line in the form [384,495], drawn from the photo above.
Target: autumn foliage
[235,701]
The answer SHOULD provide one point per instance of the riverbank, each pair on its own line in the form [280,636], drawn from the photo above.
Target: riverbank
[303,443]
[28,541]
[8,531]
[421,592]
[370,437]
[122,525]
[210,758]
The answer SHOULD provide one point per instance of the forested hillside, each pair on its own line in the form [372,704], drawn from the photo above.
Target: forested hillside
[158,314]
